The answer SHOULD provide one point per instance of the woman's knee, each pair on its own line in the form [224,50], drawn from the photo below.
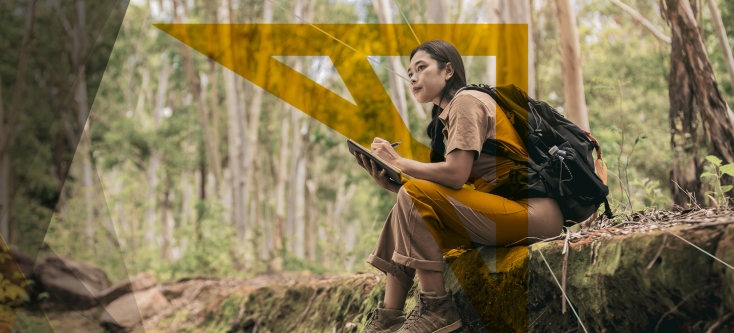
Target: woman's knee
[416,188]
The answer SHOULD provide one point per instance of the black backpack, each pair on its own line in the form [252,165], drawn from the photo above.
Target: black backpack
[561,164]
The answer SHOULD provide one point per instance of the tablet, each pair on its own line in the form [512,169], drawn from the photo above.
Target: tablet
[391,171]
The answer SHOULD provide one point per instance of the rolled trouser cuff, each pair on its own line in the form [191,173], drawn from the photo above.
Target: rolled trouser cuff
[428,265]
[403,278]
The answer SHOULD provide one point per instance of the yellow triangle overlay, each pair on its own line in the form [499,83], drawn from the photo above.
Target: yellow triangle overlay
[248,50]
[322,71]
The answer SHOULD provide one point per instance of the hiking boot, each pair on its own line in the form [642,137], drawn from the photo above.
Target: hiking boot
[432,314]
[384,320]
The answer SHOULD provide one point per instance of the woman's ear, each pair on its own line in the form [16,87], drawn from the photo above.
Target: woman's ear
[449,71]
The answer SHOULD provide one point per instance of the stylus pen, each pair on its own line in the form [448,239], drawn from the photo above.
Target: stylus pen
[395,144]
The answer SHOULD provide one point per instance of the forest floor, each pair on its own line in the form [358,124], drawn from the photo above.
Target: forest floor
[639,251]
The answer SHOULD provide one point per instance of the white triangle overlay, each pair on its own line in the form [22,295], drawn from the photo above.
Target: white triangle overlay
[321,70]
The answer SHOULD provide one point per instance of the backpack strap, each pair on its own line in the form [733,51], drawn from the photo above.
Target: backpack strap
[596,144]
[607,211]
[599,165]
[494,148]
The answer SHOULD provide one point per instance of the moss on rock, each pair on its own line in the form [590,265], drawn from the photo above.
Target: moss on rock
[512,290]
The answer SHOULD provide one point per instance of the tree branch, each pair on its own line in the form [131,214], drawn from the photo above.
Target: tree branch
[639,18]
[64,21]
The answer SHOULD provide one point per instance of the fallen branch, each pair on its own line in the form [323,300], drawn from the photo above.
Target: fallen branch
[316,291]
[589,238]
[660,250]
[719,322]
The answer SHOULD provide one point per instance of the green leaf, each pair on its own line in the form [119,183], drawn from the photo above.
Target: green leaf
[713,159]
[726,188]
[728,169]
[14,293]
[707,174]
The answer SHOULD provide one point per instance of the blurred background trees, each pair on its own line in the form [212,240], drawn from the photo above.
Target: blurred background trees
[184,168]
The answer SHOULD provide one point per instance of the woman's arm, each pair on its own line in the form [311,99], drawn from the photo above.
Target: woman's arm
[453,173]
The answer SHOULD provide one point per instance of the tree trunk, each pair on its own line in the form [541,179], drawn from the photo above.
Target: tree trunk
[514,11]
[291,221]
[397,84]
[723,39]
[165,225]
[187,208]
[311,216]
[211,16]
[235,146]
[725,46]
[692,83]
[4,198]
[295,226]
[8,130]
[438,11]
[300,195]
[296,183]
[202,193]
[80,97]
[154,164]
[280,183]
[237,142]
[194,82]
[252,132]
[573,80]
[684,135]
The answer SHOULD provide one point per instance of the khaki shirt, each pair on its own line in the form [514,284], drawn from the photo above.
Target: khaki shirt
[469,120]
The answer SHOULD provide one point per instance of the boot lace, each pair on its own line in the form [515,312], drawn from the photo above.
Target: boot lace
[371,317]
[415,313]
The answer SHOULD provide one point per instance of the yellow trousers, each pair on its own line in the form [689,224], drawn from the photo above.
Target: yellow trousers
[430,219]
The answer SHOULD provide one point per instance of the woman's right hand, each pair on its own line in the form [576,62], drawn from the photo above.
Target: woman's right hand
[380,175]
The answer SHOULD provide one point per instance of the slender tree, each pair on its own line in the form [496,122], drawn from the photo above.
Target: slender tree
[573,80]
[514,11]
[236,144]
[397,84]
[438,11]
[295,228]
[194,83]
[9,128]
[724,43]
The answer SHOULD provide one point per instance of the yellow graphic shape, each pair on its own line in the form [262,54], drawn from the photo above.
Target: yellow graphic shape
[248,50]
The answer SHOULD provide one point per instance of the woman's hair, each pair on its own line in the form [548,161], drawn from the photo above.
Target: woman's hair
[443,53]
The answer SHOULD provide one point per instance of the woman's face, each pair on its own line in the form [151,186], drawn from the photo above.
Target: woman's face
[426,79]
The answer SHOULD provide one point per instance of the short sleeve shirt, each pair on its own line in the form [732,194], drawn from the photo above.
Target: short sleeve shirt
[469,120]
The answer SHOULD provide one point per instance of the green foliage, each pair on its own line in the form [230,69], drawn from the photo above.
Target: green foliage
[23,322]
[718,194]
[208,256]
[12,286]
[650,194]
[625,76]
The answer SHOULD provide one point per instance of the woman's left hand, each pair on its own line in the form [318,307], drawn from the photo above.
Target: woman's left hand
[385,151]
